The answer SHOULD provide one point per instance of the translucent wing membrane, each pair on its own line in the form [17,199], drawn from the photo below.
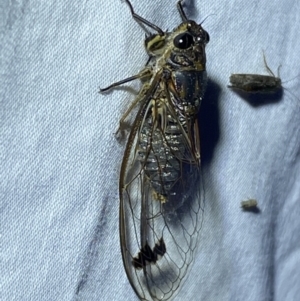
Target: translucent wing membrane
[160,190]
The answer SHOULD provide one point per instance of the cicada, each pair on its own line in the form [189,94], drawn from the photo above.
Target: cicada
[161,191]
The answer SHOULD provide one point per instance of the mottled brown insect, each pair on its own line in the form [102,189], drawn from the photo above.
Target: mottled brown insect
[161,195]
[256,83]
[249,204]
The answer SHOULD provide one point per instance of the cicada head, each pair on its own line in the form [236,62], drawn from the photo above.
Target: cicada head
[184,46]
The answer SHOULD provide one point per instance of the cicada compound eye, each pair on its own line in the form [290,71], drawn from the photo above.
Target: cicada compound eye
[183,40]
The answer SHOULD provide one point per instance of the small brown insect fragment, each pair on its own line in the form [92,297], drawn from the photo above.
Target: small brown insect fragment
[249,204]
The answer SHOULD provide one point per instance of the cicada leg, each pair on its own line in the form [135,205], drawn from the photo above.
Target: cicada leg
[142,74]
[141,20]
[139,97]
[181,11]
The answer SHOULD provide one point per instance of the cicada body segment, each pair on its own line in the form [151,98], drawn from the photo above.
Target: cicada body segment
[161,193]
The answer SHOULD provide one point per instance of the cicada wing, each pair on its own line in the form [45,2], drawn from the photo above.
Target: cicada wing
[161,201]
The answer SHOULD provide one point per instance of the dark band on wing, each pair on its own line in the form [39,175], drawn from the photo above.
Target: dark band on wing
[149,256]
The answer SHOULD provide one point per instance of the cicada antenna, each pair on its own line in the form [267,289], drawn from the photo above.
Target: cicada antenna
[207,18]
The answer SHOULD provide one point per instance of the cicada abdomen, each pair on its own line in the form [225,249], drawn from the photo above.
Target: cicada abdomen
[160,182]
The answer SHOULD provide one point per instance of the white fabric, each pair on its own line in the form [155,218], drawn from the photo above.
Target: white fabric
[60,160]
